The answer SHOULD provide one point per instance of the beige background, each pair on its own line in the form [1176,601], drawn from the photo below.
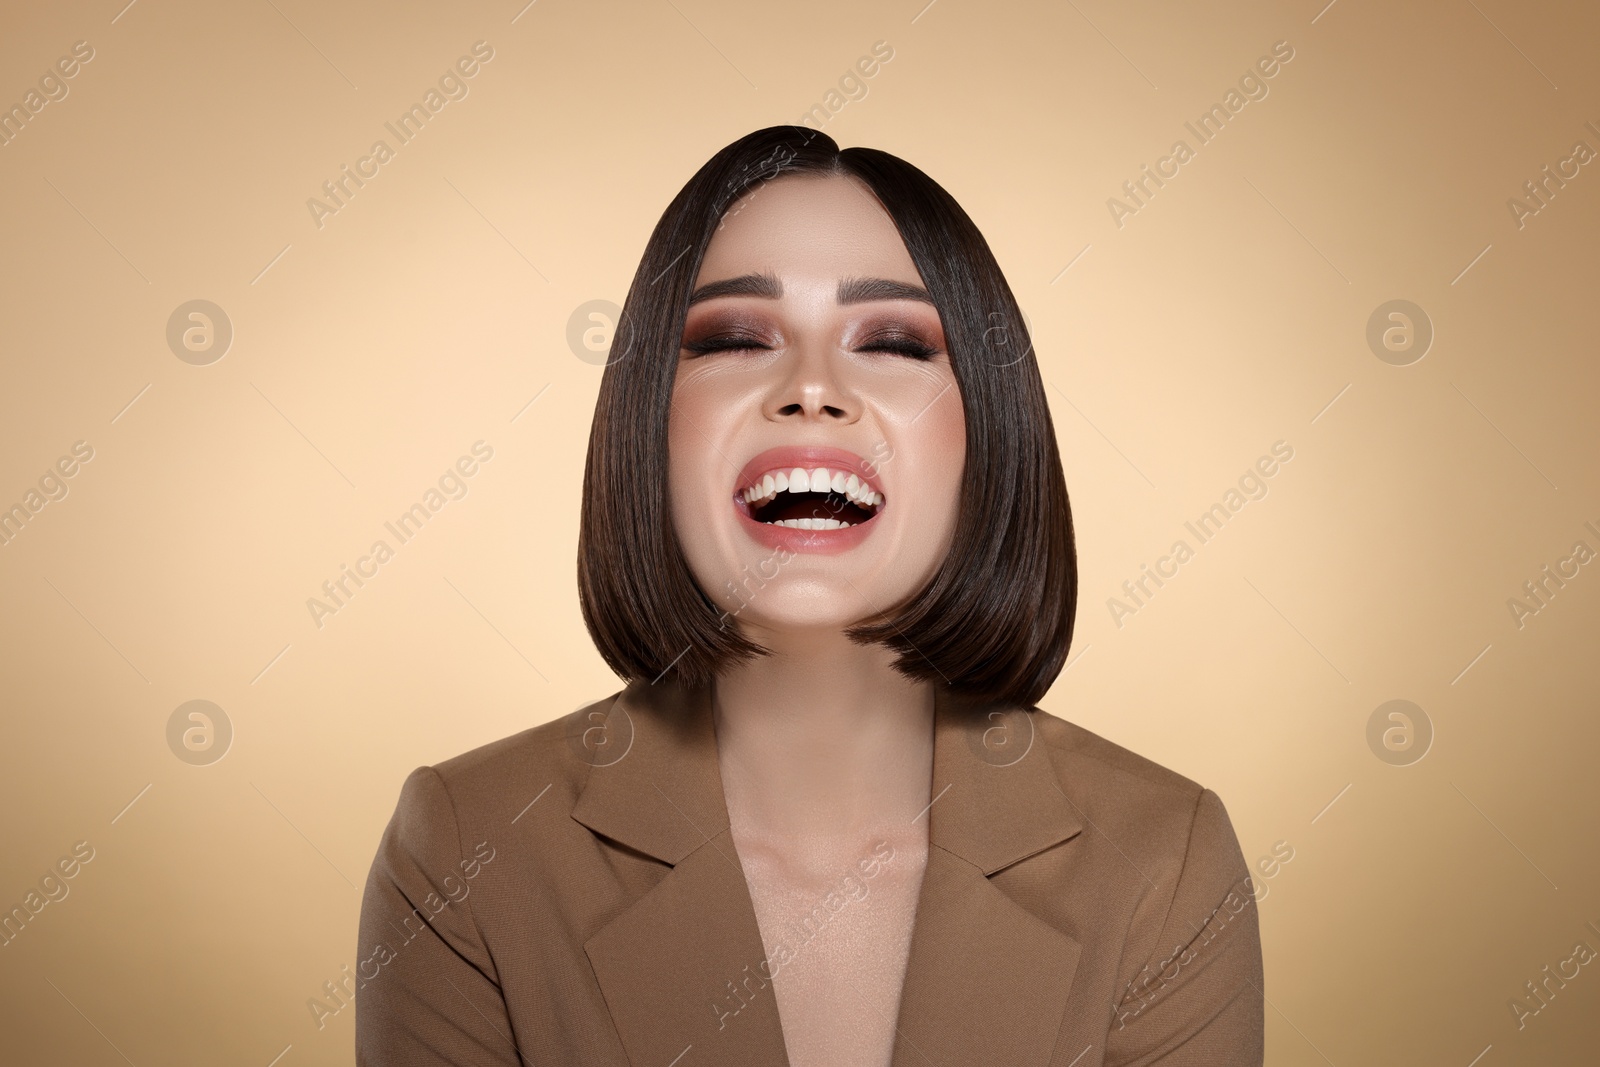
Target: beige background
[368,354]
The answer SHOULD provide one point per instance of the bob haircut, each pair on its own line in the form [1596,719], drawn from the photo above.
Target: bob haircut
[995,620]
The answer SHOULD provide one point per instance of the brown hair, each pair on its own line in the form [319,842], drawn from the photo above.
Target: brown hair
[995,621]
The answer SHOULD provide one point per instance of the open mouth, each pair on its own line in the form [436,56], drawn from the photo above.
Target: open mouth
[815,499]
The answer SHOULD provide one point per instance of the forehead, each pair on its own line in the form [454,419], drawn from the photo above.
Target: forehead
[803,227]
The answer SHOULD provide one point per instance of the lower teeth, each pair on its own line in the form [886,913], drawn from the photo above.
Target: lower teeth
[812,524]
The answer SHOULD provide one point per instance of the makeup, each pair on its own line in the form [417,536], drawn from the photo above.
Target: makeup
[808,498]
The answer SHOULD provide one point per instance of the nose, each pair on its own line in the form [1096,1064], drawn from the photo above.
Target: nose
[808,386]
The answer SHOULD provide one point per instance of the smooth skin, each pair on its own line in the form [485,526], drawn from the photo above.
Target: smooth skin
[825,751]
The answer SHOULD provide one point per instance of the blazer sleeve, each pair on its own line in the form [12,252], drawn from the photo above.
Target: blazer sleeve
[1199,999]
[427,989]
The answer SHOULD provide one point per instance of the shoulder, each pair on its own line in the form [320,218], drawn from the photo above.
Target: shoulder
[495,783]
[1160,819]
[1188,963]
[1188,890]
[1108,775]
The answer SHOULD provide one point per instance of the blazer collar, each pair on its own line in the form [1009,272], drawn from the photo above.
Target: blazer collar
[681,967]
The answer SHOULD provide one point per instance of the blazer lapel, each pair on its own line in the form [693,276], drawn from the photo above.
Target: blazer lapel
[681,968]
[987,981]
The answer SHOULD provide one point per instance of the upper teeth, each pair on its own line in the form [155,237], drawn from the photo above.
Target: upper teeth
[818,480]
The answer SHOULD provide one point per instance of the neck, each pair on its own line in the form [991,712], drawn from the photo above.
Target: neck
[823,740]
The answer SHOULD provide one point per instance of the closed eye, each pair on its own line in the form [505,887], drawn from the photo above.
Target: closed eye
[914,347]
[904,346]
[725,344]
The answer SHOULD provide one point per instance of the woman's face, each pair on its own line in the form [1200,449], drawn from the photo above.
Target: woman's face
[820,356]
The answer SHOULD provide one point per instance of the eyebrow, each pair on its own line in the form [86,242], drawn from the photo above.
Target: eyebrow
[851,290]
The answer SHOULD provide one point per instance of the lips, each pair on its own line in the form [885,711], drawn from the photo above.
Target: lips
[814,497]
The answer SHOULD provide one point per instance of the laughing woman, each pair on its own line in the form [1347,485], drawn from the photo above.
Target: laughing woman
[826,543]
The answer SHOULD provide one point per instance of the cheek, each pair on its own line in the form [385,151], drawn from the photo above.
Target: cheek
[686,461]
[699,478]
[933,449]
[942,438]
[948,430]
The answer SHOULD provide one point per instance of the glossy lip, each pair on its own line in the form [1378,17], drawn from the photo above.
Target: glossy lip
[809,457]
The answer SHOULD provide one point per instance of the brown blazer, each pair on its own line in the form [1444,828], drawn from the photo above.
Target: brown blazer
[571,895]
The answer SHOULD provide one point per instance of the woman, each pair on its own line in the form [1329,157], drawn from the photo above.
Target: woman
[828,546]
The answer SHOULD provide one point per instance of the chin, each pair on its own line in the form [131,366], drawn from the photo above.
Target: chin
[826,600]
[770,578]
[774,625]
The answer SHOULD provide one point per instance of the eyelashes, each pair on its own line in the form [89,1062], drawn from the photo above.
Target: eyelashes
[899,344]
